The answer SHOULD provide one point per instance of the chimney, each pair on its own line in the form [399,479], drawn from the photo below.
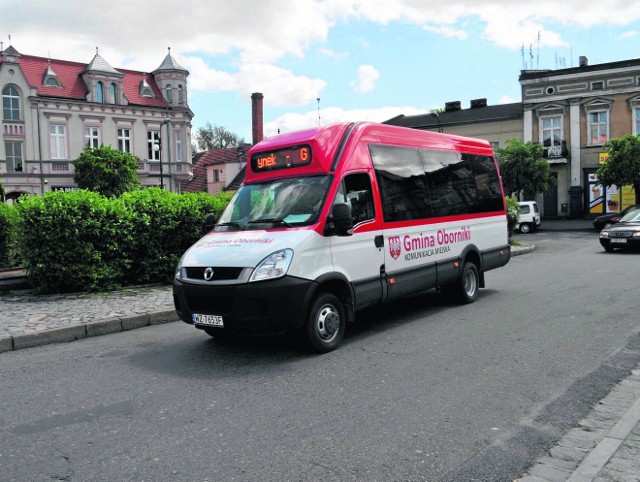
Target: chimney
[475,103]
[257,122]
[583,61]
[452,106]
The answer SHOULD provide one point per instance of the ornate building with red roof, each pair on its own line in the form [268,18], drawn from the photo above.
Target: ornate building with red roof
[52,109]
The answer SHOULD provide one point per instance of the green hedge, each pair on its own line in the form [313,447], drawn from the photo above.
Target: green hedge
[7,236]
[82,241]
[513,214]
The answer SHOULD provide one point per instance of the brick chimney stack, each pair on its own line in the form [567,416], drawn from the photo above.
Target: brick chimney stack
[257,121]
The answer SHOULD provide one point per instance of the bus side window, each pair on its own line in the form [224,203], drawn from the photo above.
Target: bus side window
[358,189]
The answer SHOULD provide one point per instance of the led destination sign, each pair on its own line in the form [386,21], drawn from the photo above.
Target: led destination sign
[281,159]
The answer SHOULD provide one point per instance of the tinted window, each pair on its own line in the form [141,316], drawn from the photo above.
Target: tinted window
[418,184]
[403,183]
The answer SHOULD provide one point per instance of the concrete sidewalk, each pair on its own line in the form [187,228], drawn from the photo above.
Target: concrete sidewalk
[605,447]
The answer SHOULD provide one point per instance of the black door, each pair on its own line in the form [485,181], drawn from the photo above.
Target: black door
[550,208]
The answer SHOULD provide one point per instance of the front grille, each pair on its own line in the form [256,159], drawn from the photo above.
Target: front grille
[209,304]
[219,274]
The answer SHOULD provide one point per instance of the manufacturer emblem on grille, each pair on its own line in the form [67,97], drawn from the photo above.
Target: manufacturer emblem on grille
[208,274]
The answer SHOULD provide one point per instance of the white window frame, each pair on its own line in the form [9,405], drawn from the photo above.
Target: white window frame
[553,150]
[153,136]
[92,136]
[14,161]
[58,141]
[15,113]
[123,135]
[178,144]
[601,125]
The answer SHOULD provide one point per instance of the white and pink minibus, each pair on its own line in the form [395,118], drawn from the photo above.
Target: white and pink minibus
[337,218]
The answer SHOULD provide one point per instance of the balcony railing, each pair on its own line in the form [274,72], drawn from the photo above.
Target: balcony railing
[552,152]
[13,129]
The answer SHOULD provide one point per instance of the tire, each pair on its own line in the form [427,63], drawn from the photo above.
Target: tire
[326,323]
[467,287]
[525,228]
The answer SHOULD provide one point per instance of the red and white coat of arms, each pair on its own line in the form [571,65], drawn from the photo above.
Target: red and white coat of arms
[394,246]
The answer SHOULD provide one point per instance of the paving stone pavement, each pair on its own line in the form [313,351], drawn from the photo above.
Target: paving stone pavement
[27,320]
[605,447]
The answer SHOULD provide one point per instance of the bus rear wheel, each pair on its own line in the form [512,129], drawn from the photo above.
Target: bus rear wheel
[465,290]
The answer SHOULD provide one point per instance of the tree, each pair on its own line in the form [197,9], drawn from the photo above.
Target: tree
[216,137]
[523,168]
[107,171]
[623,166]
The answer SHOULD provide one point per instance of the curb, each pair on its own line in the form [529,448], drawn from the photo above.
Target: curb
[78,331]
[518,250]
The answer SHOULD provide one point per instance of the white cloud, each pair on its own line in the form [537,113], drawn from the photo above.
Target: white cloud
[630,34]
[297,121]
[367,77]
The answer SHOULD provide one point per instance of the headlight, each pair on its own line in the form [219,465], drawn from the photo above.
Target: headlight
[636,234]
[604,234]
[178,274]
[273,266]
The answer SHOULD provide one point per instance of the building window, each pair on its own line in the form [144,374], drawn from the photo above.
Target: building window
[178,146]
[494,144]
[113,92]
[599,85]
[124,140]
[99,93]
[180,93]
[598,127]
[551,135]
[92,137]
[169,92]
[58,141]
[14,156]
[10,103]
[153,137]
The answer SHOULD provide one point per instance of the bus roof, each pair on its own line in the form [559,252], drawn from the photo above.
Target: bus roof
[327,143]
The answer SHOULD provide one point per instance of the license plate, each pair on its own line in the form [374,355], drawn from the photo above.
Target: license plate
[211,320]
[616,240]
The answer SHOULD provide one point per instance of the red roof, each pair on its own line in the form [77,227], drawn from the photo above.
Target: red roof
[217,156]
[73,87]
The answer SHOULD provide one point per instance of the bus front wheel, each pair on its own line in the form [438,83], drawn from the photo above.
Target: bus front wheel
[326,323]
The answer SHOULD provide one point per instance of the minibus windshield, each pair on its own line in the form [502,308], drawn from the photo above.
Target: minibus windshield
[287,202]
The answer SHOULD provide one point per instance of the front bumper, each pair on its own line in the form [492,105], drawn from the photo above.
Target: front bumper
[632,242]
[264,307]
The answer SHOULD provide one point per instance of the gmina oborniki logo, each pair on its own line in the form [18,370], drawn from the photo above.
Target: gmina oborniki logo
[424,245]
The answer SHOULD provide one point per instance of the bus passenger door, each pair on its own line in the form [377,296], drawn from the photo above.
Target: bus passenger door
[360,257]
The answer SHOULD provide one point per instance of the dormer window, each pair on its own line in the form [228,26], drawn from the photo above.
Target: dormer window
[50,79]
[145,89]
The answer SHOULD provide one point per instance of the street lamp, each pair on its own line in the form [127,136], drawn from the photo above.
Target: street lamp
[157,147]
[435,114]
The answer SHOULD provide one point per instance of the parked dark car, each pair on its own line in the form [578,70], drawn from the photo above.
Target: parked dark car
[625,233]
[610,218]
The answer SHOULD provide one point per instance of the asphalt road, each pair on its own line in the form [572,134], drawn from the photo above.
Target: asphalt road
[420,390]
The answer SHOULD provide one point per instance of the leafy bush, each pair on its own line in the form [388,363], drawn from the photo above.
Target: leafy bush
[7,236]
[72,241]
[82,241]
[164,226]
[513,214]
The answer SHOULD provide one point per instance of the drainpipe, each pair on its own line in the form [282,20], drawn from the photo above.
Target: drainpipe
[40,150]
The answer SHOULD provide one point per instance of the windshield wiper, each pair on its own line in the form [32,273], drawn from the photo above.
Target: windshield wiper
[270,220]
[230,223]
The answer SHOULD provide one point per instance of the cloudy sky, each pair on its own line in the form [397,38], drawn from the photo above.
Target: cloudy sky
[363,59]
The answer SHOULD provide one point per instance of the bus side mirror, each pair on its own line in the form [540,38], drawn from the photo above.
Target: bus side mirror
[341,219]
[209,222]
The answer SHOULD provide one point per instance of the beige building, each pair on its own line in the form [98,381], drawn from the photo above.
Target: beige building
[52,109]
[573,112]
